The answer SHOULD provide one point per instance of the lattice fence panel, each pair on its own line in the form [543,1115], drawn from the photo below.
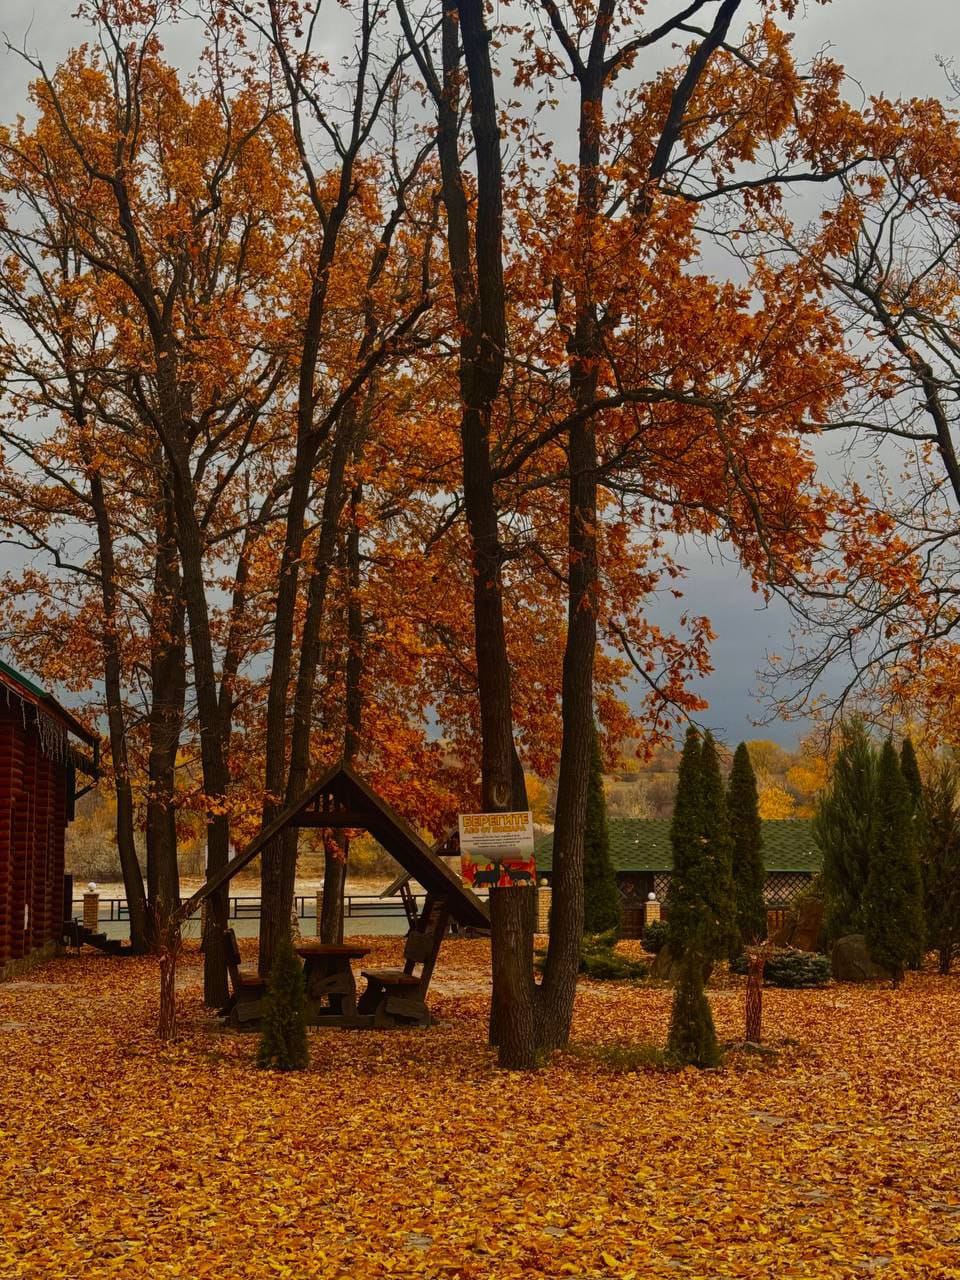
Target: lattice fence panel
[782,888]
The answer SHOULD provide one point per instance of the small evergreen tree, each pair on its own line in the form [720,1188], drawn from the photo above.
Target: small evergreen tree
[601,897]
[892,899]
[939,849]
[844,830]
[911,773]
[283,1039]
[692,1039]
[749,872]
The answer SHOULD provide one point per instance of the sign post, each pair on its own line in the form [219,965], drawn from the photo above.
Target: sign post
[497,849]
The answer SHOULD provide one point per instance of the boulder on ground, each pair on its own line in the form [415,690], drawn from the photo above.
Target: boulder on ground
[850,961]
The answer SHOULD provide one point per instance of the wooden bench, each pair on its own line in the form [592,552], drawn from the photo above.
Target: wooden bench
[248,989]
[398,997]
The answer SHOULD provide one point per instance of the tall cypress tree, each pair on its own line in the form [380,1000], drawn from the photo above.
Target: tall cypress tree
[687,882]
[844,828]
[601,897]
[939,849]
[698,849]
[911,772]
[717,854]
[892,899]
[749,873]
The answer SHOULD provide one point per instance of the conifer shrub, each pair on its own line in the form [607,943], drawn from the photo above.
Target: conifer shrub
[700,900]
[606,965]
[939,847]
[787,967]
[655,936]
[911,773]
[693,1039]
[717,859]
[283,1038]
[599,960]
[601,896]
[893,895]
[748,869]
[844,828]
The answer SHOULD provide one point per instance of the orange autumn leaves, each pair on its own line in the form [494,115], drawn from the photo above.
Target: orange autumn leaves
[410,1154]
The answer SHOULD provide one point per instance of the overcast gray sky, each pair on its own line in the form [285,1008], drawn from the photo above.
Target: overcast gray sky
[887,46]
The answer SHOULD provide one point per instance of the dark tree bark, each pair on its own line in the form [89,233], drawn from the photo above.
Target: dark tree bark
[477,274]
[285,775]
[336,859]
[517,1040]
[587,354]
[168,692]
[586,347]
[116,721]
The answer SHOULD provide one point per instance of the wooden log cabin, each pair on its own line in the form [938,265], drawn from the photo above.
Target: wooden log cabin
[42,749]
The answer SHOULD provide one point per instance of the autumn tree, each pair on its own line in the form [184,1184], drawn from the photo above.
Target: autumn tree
[883,597]
[334,360]
[141,299]
[749,872]
[893,896]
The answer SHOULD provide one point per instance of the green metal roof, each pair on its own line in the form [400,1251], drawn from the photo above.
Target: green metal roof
[29,691]
[643,844]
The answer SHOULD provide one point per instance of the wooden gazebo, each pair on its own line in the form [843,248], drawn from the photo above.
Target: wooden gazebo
[339,798]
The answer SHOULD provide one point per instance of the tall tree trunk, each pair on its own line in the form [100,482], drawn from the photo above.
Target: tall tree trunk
[481,303]
[275,914]
[116,721]
[168,692]
[517,1039]
[586,350]
[212,754]
[335,859]
[566,917]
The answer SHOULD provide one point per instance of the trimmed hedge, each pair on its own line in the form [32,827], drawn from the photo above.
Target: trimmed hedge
[599,960]
[607,966]
[790,968]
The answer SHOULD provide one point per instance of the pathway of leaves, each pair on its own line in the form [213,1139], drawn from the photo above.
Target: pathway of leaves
[402,1154]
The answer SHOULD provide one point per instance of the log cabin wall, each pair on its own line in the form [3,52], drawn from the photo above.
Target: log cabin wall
[33,819]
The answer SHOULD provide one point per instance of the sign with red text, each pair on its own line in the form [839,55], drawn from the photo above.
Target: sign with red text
[497,849]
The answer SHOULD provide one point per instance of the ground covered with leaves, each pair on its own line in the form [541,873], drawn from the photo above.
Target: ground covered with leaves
[409,1153]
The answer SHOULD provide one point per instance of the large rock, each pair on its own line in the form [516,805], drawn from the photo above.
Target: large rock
[851,962]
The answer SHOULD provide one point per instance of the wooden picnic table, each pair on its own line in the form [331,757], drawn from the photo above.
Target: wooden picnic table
[331,988]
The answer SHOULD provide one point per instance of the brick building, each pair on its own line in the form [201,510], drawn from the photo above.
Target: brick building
[42,748]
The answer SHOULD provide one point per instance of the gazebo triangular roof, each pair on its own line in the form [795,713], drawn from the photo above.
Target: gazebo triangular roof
[340,797]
